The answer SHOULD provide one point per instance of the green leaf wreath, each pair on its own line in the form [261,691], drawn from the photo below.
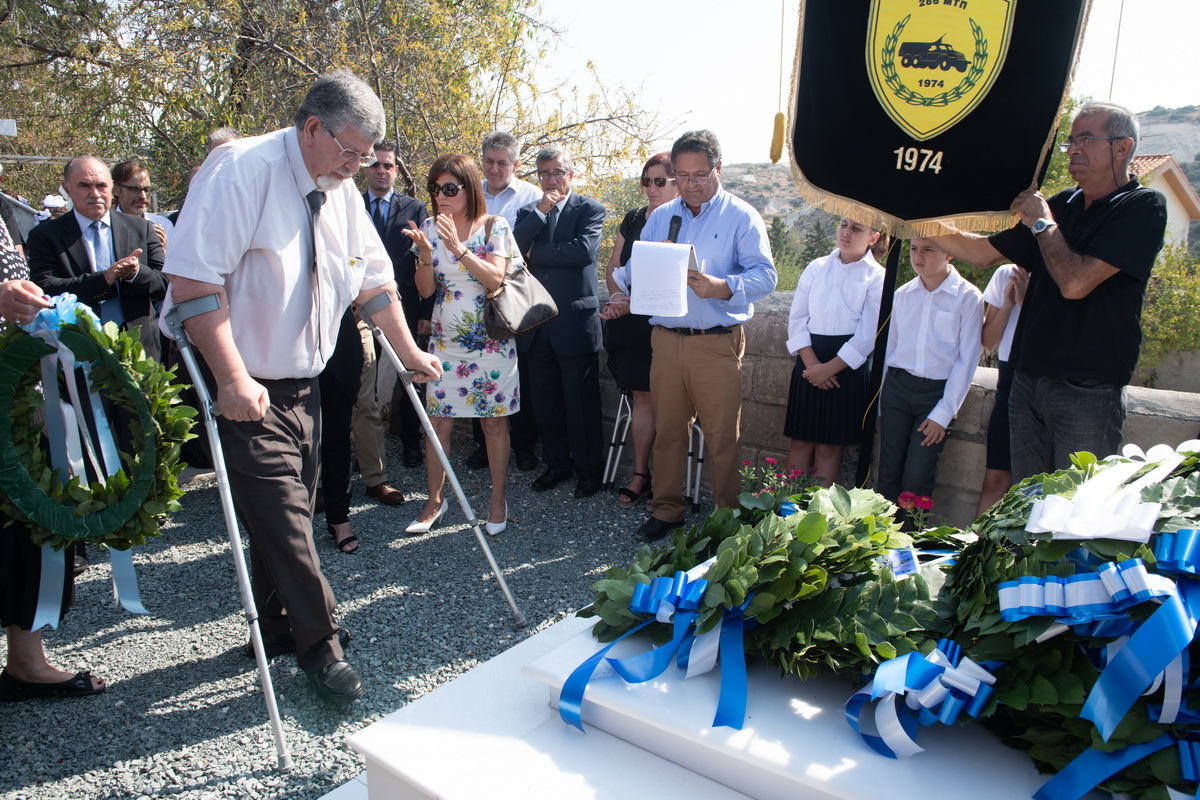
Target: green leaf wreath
[123,510]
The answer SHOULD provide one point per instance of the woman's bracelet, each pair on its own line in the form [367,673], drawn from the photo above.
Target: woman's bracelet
[617,294]
[424,263]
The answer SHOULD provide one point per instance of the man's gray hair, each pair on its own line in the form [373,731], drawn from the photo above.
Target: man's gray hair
[342,100]
[1121,121]
[220,136]
[501,140]
[698,142]
[554,151]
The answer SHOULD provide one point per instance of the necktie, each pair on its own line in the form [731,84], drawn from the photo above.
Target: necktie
[316,199]
[110,309]
[551,220]
[377,217]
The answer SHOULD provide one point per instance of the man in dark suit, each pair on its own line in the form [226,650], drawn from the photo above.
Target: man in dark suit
[391,212]
[111,262]
[560,237]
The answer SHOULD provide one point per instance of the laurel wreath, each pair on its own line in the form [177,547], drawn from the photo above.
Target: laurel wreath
[892,78]
[124,509]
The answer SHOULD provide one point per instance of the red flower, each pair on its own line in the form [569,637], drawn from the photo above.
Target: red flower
[907,501]
[770,460]
[745,463]
[924,503]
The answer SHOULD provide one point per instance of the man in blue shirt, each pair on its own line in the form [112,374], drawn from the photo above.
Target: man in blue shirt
[697,366]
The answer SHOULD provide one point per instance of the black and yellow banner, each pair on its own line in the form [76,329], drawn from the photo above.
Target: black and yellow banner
[905,112]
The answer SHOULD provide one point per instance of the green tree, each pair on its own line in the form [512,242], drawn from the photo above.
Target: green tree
[818,242]
[785,249]
[1169,320]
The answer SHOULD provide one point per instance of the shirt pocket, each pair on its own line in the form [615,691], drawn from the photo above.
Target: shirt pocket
[945,326]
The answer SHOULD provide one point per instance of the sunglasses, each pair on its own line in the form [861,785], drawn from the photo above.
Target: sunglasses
[659,182]
[447,189]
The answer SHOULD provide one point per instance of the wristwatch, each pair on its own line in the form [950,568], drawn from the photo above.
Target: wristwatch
[1042,225]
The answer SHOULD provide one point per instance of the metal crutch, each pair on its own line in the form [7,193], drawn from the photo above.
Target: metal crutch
[365,313]
[695,465]
[617,445]
[208,409]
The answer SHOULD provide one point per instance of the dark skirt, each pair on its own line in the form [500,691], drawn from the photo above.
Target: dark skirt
[627,341]
[20,576]
[999,445]
[827,416]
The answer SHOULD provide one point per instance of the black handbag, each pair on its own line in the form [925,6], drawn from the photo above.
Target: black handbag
[518,305]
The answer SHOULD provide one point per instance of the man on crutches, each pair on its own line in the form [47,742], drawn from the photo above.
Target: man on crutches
[275,229]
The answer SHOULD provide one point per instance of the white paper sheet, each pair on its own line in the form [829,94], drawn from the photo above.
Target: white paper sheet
[658,278]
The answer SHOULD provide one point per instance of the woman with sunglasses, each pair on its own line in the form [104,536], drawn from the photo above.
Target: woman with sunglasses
[462,254]
[627,336]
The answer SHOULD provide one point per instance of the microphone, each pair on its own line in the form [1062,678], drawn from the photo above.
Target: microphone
[673,230]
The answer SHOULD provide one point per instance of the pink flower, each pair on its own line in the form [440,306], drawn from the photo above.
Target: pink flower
[770,461]
[907,501]
[745,463]
[924,503]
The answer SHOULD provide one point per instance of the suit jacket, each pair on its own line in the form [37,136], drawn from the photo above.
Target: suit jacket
[58,262]
[401,209]
[566,266]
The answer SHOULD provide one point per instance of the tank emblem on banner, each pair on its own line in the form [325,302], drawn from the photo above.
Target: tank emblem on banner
[931,62]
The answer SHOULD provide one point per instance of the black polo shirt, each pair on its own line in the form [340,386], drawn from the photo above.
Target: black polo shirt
[1098,337]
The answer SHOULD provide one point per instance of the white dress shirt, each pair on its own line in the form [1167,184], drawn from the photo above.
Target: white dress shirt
[993,295]
[156,219]
[246,226]
[835,299]
[511,198]
[106,241]
[935,335]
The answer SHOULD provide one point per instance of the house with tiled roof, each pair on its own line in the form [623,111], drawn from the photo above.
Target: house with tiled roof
[1162,173]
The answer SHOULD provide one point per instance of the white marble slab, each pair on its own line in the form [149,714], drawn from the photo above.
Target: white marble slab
[795,742]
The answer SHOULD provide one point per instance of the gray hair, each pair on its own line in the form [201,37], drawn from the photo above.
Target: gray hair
[342,100]
[1121,121]
[501,140]
[698,142]
[551,151]
[220,136]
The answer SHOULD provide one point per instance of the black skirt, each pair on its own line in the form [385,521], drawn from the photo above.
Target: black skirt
[827,416]
[627,341]
[999,447]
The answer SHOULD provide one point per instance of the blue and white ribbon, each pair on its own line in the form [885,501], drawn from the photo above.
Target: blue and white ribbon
[935,688]
[69,438]
[674,601]
[1076,599]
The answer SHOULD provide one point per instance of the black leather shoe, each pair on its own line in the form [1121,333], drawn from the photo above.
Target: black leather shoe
[285,645]
[549,479]
[478,459]
[654,529]
[80,564]
[587,486]
[413,457]
[526,460]
[337,683]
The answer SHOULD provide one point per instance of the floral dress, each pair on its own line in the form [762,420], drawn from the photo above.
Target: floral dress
[479,373]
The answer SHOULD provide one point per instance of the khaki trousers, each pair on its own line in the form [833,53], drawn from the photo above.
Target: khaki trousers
[365,422]
[690,377]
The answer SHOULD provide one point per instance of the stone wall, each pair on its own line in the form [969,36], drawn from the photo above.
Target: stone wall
[1155,416]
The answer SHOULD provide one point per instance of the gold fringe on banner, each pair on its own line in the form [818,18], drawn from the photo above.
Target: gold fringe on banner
[976,221]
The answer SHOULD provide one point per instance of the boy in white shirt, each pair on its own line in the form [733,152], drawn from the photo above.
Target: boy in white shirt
[932,353]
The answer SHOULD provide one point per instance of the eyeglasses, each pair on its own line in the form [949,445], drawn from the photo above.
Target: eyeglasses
[347,153]
[382,165]
[447,189]
[700,179]
[549,174]
[660,181]
[146,190]
[1082,142]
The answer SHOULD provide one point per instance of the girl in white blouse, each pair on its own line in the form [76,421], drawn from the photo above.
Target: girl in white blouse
[831,330]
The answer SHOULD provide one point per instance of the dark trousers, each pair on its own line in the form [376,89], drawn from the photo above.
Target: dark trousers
[403,419]
[1051,418]
[905,465]
[339,384]
[565,402]
[273,466]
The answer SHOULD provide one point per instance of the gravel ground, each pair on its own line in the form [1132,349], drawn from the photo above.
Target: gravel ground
[183,716]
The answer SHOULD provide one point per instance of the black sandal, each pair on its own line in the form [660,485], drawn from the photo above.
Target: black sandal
[351,539]
[13,690]
[628,498]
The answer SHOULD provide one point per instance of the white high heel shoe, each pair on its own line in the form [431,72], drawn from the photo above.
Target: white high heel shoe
[417,527]
[497,528]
